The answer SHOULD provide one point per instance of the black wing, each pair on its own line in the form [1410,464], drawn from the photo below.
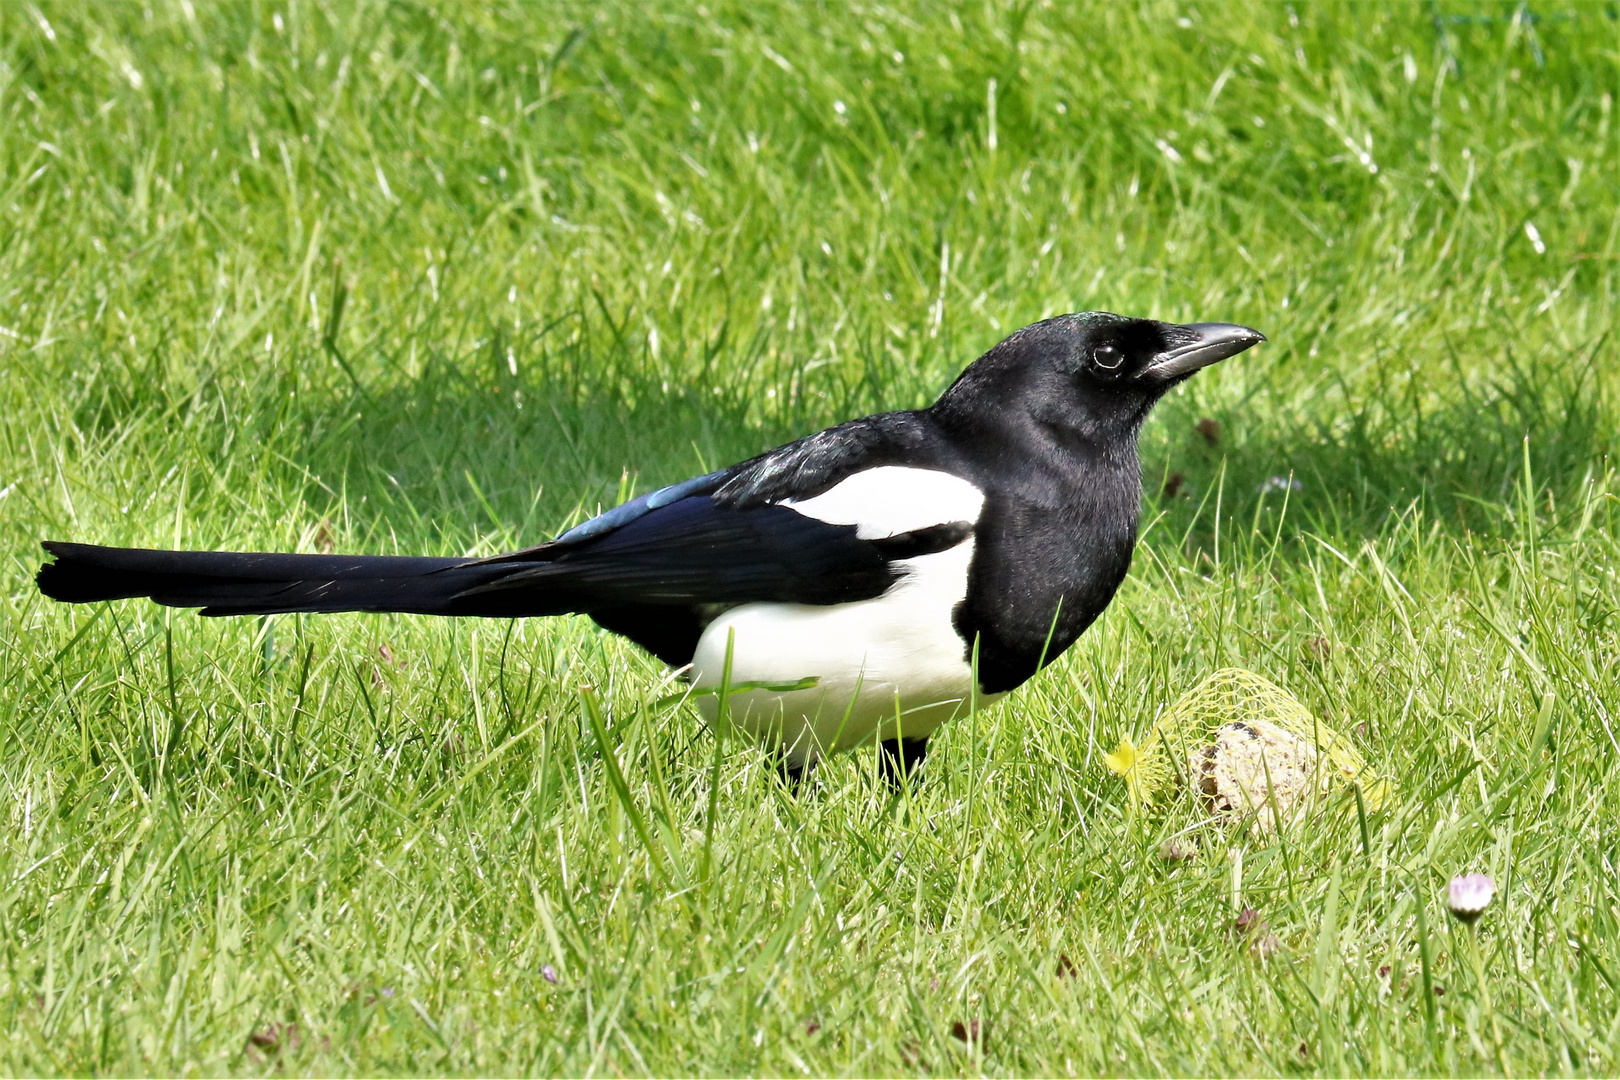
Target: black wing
[659,578]
[696,551]
[658,567]
[809,466]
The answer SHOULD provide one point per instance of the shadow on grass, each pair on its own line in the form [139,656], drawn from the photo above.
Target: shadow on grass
[449,460]
[472,453]
[1355,457]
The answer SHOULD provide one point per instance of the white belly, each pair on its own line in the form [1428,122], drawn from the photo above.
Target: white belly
[888,667]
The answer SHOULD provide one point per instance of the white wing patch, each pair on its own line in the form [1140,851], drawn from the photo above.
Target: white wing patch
[894,499]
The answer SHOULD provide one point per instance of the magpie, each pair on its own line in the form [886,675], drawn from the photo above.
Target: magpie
[869,581]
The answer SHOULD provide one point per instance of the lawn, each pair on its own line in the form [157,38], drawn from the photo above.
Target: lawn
[430,278]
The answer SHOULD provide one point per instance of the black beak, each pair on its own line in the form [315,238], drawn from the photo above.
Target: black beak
[1198,345]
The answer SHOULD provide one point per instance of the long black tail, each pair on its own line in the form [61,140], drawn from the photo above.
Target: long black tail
[255,583]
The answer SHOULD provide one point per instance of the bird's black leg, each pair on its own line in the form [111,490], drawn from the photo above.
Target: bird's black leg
[794,773]
[900,759]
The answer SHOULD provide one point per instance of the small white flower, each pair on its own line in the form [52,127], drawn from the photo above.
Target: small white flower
[1469,896]
[1534,234]
[1281,483]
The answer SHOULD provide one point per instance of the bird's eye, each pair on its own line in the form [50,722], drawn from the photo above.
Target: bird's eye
[1108,357]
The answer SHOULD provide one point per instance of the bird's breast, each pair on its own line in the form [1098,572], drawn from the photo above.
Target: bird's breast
[1042,574]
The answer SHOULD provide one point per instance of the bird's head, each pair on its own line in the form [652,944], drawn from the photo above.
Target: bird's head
[1090,376]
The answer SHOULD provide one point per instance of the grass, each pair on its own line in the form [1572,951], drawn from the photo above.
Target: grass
[437,279]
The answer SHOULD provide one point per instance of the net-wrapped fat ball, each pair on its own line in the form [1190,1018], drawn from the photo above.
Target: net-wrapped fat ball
[1225,735]
[1254,766]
